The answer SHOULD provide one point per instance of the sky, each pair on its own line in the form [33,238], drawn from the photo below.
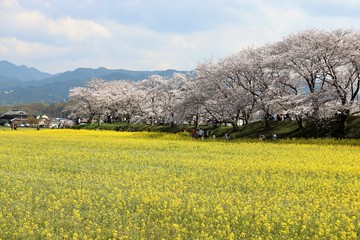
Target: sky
[61,35]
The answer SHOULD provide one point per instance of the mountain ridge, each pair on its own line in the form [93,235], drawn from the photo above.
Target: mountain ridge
[22,72]
[18,84]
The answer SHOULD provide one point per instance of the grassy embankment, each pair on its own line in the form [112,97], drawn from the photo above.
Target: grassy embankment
[283,129]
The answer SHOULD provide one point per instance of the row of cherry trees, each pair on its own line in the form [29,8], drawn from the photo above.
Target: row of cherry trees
[152,100]
[314,74]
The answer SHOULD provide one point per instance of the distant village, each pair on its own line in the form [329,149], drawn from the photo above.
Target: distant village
[19,118]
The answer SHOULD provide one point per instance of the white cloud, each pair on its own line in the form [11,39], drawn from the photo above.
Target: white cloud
[36,25]
[28,49]
[156,34]
[33,54]
[78,30]
[9,4]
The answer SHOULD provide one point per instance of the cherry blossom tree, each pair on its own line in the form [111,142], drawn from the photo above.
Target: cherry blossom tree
[313,73]
[302,56]
[222,100]
[124,100]
[251,70]
[88,101]
[161,96]
[341,71]
[189,104]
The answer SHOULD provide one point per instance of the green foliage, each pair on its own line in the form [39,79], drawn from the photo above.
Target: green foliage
[283,129]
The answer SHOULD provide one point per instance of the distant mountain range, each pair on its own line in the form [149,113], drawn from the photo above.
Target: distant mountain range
[21,84]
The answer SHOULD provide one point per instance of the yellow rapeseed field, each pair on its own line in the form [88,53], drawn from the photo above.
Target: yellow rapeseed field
[78,184]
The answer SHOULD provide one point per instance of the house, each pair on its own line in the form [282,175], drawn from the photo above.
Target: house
[61,123]
[43,120]
[14,116]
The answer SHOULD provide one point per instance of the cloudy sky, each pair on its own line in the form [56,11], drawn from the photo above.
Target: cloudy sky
[60,35]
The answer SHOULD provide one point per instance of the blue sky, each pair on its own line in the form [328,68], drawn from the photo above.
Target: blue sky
[59,35]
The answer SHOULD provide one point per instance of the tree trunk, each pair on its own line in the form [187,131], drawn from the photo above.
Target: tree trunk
[267,120]
[316,108]
[342,123]
[99,119]
[172,123]
[246,117]
[196,121]
[235,121]
[299,121]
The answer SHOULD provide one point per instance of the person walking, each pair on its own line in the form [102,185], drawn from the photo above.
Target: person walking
[274,136]
[201,133]
[227,136]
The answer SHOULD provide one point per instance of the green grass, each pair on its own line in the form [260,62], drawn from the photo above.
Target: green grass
[283,129]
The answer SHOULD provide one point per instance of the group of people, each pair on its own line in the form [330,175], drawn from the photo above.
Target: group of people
[263,138]
[200,133]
